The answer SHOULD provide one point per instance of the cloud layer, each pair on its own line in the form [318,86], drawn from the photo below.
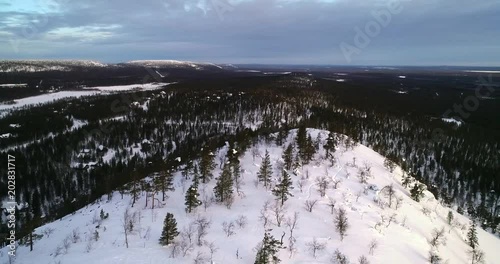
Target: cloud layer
[430,32]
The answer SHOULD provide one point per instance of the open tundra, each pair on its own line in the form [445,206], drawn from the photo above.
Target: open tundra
[382,229]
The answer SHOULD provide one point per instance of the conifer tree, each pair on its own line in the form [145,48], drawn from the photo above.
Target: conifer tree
[164,182]
[188,168]
[223,189]
[472,240]
[282,190]
[330,146]
[450,217]
[417,191]
[268,250]
[207,164]
[192,195]
[288,157]
[407,179]
[169,230]
[265,173]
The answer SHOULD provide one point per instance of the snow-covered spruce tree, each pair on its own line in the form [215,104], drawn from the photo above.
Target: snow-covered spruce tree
[191,197]
[417,191]
[207,164]
[265,172]
[407,179]
[434,258]
[389,164]
[169,230]
[476,255]
[282,189]
[330,147]
[341,223]
[472,240]
[223,189]
[309,150]
[450,218]
[268,250]
[288,157]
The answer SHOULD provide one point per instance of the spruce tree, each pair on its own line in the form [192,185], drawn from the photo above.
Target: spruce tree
[407,180]
[169,230]
[450,217]
[207,164]
[164,182]
[282,190]
[472,240]
[223,189]
[265,173]
[330,146]
[187,170]
[268,251]
[417,191]
[288,157]
[192,197]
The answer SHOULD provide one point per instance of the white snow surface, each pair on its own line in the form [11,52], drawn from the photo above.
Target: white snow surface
[403,241]
[452,120]
[160,63]
[52,97]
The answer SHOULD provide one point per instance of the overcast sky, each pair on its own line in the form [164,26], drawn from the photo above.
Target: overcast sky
[405,32]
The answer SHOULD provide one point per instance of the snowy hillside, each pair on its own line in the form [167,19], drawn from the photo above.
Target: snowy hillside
[174,63]
[397,235]
[45,65]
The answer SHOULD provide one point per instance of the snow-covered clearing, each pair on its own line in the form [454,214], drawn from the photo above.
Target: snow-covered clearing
[403,239]
[52,97]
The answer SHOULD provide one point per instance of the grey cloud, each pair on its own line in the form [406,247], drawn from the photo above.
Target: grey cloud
[267,31]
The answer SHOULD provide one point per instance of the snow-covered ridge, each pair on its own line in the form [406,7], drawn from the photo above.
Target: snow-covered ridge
[402,231]
[46,65]
[170,63]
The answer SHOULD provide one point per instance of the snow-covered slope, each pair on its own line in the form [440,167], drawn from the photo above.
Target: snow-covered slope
[45,65]
[174,63]
[403,239]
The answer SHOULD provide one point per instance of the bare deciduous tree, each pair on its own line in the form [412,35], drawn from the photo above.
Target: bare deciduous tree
[291,222]
[200,258]
[203,224]
[438,238]
[241,221]
[228,228]
[372,246]
[315,246]
[278,212]
[335,183]
[331,204]
[399,202]
[309,204]
[264,215]
[391,219]
[126,225]
[213,249]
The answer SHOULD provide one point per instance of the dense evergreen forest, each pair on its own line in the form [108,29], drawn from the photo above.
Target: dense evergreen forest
[72,152]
